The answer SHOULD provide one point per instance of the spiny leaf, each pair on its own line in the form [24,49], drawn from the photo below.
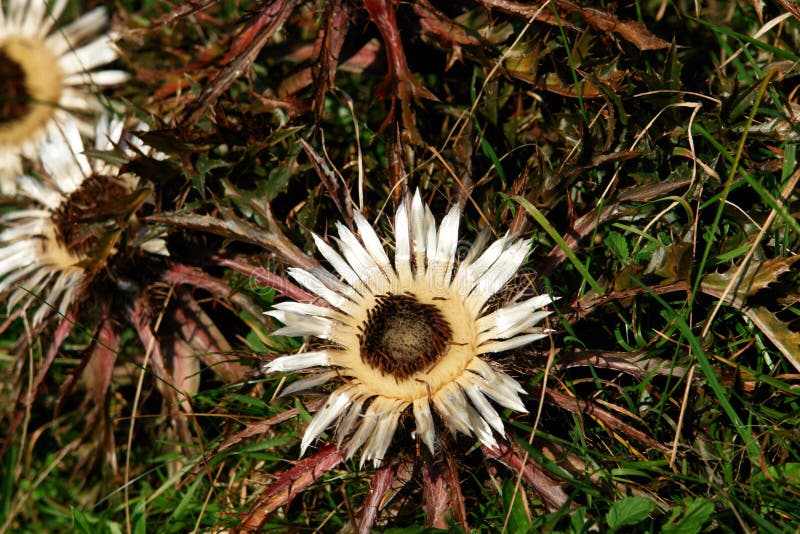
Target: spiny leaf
[787,341]
[756,278]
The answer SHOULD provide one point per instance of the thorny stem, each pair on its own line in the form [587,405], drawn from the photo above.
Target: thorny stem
[379,485]
[262,276]
[399,78]
[289,484]
[435,494]
[251,41]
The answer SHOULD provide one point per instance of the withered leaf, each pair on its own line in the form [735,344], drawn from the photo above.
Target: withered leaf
[632,31]
[757,277]
[400,83]
[245,50]
[327,49]
[289,484]
[434,22]
[787,340]
[230,226]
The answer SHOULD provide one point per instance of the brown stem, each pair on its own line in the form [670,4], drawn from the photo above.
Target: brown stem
[27,396]
[548,489]
[400,81]
[378,486]
[454,484]
[436,500]
[327,49]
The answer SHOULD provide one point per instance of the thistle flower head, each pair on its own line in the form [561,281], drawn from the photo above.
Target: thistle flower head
[410,335]
[79,209]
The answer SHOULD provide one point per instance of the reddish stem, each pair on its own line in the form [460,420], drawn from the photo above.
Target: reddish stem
[378,486]
[264,277]
[550,492]
[436,499]
[27,397]
[289,484]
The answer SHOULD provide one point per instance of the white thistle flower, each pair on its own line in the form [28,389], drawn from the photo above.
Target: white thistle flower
[409,335]
[47,76]
[49,251]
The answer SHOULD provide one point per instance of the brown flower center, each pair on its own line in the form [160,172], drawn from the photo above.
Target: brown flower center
[403,336]
[31,82]
[14,97]
[90,218]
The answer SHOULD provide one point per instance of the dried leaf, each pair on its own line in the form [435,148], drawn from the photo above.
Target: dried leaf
[549,490]
[327,49]
[787,340]
[256,429]
[757,277]
[278,283]
[26,397]
[232,227]
[637,364]
[632,31]
[97,365]
[289,484]
[435,22]
[337,188]
[791,7]
[180,11]
[602,416]
[587,223]
[529,11]
[101,366]
[400,82]
[242,54]
[141,317]
[195,277]
[185,368]
[378,487]
[453,34]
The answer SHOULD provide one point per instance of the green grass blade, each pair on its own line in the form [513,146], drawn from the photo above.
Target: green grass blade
[545,224]
[751,444]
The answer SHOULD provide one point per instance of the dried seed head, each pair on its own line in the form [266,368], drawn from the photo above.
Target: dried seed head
[90,213]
